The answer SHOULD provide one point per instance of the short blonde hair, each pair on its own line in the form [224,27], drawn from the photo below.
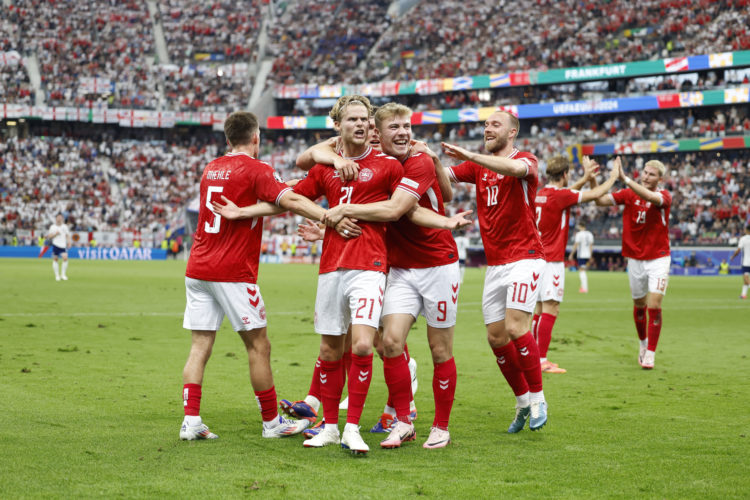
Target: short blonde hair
[390,110]
[657,165]
[337,111]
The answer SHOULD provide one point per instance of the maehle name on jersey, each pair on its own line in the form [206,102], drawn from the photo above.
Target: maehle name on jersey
[218,175]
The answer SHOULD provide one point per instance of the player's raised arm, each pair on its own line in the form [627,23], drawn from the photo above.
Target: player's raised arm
[603,189]
[325,153]
[590,168]
[646,190]
[499,164]
[441,173]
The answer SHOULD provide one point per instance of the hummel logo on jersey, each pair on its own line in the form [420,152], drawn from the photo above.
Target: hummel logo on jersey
[363,375]
[535,276]
[501,360]
[524,351]
[443,384]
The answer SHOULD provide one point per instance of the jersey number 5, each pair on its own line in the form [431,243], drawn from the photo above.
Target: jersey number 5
[214,226]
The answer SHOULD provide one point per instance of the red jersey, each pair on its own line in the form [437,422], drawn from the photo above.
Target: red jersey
[379,175]
[552,218]
[228,250]
[645,229]
[412,246]
[506,210]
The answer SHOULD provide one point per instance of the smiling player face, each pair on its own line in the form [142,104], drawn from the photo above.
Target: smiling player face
[497,132]
[395,135]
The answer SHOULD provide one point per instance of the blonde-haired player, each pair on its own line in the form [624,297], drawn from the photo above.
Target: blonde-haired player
[645,243]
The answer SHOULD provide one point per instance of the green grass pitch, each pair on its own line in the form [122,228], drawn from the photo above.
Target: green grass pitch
[90,391]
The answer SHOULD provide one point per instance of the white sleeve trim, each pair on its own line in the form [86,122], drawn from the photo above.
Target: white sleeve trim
[410,191]
[281,195]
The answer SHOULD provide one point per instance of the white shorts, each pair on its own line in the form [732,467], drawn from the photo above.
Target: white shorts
[209,301]
[553,282]
[348,296]
[511,286]
[431,292]
[648,276]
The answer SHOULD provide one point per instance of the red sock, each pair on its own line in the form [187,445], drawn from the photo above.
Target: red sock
[398,379]
[347,360]
[654,328]
[359,383]
[535,326]
[639,315]
[330,389]
[315,382]
[444,379]
[528,360]
[507,360]
[406,351]
[267,401]
[191,399]
[544,333]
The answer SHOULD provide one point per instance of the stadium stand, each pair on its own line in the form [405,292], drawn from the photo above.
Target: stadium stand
[144,179]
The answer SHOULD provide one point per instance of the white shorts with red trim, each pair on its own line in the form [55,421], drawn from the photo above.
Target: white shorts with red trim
[209,301]
[648,276]
[553,282]
[511,286]
[431,292]
[348,296]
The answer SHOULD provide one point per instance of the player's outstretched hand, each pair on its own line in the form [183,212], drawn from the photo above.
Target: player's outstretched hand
[456,152]
[422,147]
[348,229]
[617,165]
[310,231]
[459,220]
[590,167]
[333,216]
[347,169]
[229,210]
[616,169]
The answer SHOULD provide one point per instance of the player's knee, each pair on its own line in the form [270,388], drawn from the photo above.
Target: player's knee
[392,347]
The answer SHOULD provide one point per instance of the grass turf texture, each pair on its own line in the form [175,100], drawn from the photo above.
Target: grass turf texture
[91,396]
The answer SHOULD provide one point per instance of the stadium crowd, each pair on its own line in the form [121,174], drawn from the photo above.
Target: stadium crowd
[320,43]
[144,185]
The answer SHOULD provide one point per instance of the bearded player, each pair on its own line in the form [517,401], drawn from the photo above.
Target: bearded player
[506,182]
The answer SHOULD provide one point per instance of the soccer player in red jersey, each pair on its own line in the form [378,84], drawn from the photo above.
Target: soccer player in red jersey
[506,182]
[222,271]
[352,272]
[553,204]
[423,277]
[645,243]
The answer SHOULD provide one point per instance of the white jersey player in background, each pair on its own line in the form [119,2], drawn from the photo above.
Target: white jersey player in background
[744,247]
[583,245]
[60,236]
[462,243]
